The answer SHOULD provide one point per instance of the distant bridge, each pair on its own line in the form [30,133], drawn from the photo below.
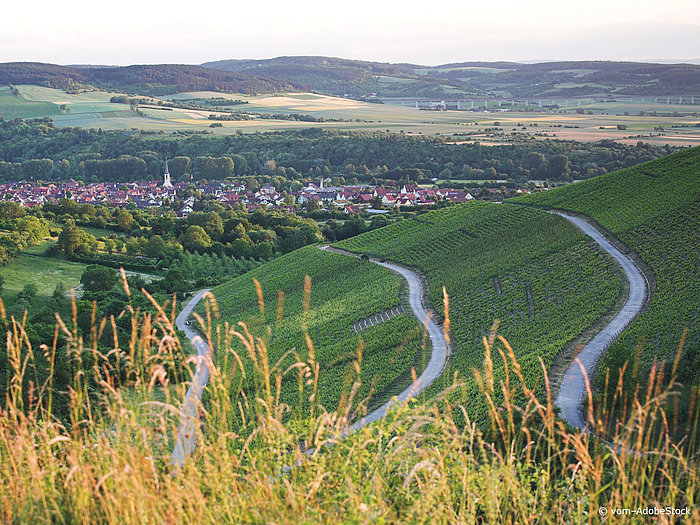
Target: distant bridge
[492,102]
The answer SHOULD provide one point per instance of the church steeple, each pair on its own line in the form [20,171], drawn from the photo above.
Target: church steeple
[166,176]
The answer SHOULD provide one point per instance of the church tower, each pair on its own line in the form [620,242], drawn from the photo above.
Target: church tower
[166,177]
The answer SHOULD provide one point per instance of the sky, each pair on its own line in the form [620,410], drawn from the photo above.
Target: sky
[150,32]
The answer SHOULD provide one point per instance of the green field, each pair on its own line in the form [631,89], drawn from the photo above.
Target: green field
[654,209]
[533,271]
[343,290]
[45,272]
[101,232]
[12,106]
[33,266]
[87,102]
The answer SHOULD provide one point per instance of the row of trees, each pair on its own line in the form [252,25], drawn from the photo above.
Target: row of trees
[216,229]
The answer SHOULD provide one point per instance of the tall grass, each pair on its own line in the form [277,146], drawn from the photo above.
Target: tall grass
[110,461]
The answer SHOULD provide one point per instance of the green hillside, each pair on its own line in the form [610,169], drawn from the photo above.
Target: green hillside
[343,290]
[13,106]
[340,76]
[654,209]
[532,270]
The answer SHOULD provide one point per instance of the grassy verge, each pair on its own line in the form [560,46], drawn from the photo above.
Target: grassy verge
[109,463]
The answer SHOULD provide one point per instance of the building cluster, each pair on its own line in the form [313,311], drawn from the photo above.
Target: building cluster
[142,194]
[351,199]
[146,194]
[355,198]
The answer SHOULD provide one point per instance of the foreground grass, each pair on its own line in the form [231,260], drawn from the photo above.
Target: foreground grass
[110,463]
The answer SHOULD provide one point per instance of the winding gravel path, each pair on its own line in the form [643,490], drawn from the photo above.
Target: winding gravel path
[571,394]
[440,350]
[187,429]
[573,390]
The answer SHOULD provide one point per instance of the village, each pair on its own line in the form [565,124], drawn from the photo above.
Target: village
[183,196]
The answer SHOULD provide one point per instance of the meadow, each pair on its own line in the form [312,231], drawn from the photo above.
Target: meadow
[44,272]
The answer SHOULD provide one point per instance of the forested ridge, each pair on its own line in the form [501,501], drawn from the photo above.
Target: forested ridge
[156,79]
[546,79]
[338,76]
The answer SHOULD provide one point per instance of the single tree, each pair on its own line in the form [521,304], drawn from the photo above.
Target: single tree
[97,278]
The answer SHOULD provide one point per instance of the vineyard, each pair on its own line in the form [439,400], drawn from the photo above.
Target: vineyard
[542,278]
[343,290]
[653,209]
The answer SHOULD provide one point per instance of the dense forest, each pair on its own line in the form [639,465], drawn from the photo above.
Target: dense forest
[39,151]
[142,79]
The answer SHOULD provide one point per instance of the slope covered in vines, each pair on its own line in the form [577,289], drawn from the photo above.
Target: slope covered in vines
[536,273]
[343,290]
[654,210]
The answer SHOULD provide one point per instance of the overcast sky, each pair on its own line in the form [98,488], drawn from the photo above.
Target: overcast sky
[130,31]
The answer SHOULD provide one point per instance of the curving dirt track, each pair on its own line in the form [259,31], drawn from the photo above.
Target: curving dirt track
[571,395]
[573,390]
[440,349]
[187,429]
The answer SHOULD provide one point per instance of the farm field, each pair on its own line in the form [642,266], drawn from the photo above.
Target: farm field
[87,102]
[343,290]
[93,110]
[533,271]
[12,106]
[653,209]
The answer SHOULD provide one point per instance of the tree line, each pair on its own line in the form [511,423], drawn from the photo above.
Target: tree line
[39,151]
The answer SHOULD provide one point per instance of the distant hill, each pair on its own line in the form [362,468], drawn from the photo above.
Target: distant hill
[367,80]
[339,76]
[144,79]
[570,78]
